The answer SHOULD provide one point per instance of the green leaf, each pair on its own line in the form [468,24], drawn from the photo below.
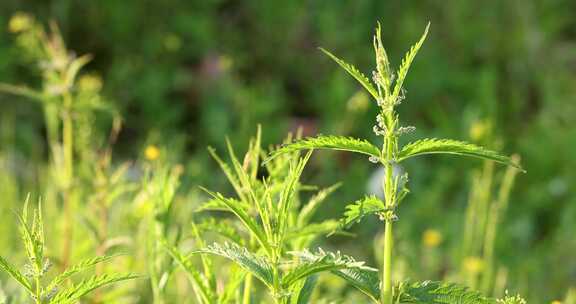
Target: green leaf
[367,281]
[198,281]
[314,229]
[328,142]
[244,217]
[75,66]
[217,205]
[320,261]
[361,208]
[83,265]
[449,146]
[382,63]
[21,91]
[406,62]
[230,174]
[256,265]
[288,193]
[429,292]
[15,274]
[74,293]
[222,227]
[354,272]
[235,280]
[32,236]
[301,292]
[361,78]
[310,208]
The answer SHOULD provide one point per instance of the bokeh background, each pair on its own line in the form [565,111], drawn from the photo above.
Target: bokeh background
[185,74]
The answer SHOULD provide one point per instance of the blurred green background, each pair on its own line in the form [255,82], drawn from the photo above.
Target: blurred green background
[185,74]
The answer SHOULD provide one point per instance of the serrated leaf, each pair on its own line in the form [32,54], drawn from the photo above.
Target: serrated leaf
[217,205]
[353,71]
[368,282]
[314,262]
[222,227]
[289,190]
[382,62]
[328,142]
[429,292]
[83,265]
[449,146]
[232,179]
[313,229]
[315,201]
[74,293]
[406,62]
[301,292]
[32,236]
[244,217]
[256,265]
[354,272]
[198,281]
[361,208]
[15,274]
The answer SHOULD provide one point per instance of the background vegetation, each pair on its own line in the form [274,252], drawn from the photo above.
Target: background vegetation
[182,75]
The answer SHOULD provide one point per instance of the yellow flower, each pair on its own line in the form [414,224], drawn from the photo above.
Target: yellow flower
[432,238]
[20,22]
[90,83]
[473,264]
[556,302]
[152,152]
[478,130]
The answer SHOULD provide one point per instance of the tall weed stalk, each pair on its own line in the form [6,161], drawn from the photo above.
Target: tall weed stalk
[387,89]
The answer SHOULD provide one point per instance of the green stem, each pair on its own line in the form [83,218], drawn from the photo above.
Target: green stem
[68,140]
[276,274]
[38,299]
[498,208]
[247,288]
[386,296]
[68,158]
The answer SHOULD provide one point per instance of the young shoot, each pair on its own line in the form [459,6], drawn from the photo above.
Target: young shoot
[33,277]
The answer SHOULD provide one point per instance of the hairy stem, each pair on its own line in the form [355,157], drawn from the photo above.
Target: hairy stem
[386,296]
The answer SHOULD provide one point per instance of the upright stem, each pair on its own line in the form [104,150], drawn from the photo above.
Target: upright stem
[497,209]
[246,298]
[386,297]
[38,298]
[247,289]
[275,257]
[68,159]
[389,188]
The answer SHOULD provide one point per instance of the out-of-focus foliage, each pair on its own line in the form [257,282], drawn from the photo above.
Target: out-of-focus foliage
[184,74]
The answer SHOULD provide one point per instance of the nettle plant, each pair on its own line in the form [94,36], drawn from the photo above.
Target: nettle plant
[387,90]
[60,289]
[270,242]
